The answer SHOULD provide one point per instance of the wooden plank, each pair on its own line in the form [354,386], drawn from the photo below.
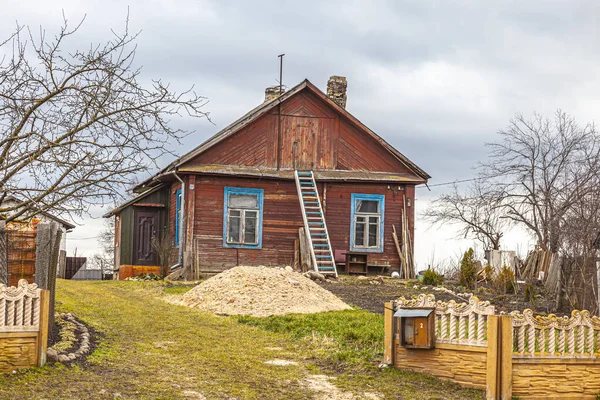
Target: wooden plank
[297,264]
[388,328]
[42,344]
[402,259]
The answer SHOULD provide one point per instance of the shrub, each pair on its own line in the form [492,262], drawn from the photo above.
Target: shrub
[468,269]
[505,281]
[530,293]
[430,277]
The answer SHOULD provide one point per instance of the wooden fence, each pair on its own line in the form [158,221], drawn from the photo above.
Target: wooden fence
[519,354]
[23,326]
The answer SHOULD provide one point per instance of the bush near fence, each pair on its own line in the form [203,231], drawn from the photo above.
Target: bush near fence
[522,355]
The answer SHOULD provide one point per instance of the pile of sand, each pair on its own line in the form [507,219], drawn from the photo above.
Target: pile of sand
[260,292]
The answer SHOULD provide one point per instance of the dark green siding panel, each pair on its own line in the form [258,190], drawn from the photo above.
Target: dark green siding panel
[126,235]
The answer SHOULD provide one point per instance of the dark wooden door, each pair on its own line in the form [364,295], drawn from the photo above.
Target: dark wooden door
[144,231]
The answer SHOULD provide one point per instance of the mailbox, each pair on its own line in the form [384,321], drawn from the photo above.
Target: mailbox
[416,327]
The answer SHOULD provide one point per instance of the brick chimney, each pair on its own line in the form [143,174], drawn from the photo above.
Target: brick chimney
[336,90]
[272,92]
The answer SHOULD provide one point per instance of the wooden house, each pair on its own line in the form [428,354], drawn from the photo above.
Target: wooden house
[236,199]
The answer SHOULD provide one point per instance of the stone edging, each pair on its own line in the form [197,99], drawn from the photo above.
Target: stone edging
[82,333]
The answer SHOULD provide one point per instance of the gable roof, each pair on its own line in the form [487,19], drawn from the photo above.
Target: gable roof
[134,200]
[267,106]
[61,221]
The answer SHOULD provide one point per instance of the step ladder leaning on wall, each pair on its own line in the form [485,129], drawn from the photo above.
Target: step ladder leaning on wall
[314,224]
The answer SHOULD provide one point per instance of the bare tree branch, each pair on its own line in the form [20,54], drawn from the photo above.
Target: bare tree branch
[76,128]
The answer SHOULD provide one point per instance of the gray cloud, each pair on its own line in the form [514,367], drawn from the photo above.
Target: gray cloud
[435,79]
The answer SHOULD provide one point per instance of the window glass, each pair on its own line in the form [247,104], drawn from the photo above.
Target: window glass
[373,234]
[234,222]
[367,206]
[243,214]
[367,222]
[250,227]
[243,201]
[359,232]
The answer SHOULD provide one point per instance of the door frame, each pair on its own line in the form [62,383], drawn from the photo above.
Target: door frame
[136,239]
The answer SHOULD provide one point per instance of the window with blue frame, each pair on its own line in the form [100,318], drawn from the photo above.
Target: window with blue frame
[177,216]
[366,223]
[242,218]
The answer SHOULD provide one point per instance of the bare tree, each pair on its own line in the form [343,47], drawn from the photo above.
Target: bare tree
[477,211]
[543,175]
[76,127]
[538,172]
[542,169]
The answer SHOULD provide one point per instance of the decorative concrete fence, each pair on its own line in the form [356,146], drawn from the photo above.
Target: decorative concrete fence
[461,351]
[456,323]
[556,357]
[522,355]
[23,326]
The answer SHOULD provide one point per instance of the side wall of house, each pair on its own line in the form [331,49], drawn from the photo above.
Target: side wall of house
[282,218]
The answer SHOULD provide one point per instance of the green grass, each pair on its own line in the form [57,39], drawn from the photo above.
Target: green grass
[349,345]
[150,349]
[177,289]
[346,338]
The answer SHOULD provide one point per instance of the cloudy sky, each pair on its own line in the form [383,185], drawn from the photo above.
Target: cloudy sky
[435,79]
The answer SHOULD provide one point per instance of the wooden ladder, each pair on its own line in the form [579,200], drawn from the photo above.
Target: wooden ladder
[314,223]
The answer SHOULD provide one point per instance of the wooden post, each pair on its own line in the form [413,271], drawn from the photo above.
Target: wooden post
[62,264]
[388,327]
[499,357]
[492,373]
[42,343]
[3,254]
[305,257]
[506,349]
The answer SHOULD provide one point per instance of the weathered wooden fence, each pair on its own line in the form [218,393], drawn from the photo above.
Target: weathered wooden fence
[519,354]
[23,326]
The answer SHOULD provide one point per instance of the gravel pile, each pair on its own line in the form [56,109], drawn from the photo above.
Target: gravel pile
[261,292]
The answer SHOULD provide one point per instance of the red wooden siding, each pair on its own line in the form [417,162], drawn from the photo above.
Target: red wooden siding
[357,151]
[281,220]
[312,136]
[248,147]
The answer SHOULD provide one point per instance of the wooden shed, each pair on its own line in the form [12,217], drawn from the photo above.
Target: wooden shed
[298,160]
